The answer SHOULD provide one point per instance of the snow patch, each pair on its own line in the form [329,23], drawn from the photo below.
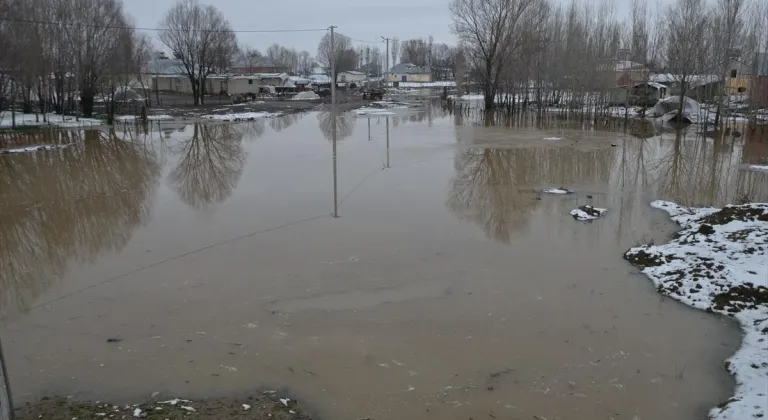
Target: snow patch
[757,167]
[52,120]
[242,116]
[717,263]
[305,96]
[558,191]
[552,138]
[132,118]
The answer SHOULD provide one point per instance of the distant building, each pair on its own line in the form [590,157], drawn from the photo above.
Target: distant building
[407,72]
[317,68]
[352,76]
[741,80]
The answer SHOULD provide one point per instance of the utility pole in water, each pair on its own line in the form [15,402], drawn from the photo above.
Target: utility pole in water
[6,400]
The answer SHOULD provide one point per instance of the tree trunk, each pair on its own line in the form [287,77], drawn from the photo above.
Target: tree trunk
[86,101]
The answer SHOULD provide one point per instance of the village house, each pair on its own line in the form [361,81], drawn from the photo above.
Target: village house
[352,76]
[741,80]
[407,72]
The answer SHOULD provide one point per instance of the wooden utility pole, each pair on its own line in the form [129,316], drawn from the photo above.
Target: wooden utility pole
[6,400]
[387,70]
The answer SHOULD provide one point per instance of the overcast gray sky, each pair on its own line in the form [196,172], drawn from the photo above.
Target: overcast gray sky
[361,19]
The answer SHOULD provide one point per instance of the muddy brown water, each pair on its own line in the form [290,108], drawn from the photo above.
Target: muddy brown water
[445,289]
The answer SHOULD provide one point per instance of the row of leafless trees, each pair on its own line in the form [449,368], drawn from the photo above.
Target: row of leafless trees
[553,53]
[60,54]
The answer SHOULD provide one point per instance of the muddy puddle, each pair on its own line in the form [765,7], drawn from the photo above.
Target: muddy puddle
[205,260]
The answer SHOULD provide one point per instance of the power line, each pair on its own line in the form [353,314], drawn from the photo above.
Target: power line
[86,25]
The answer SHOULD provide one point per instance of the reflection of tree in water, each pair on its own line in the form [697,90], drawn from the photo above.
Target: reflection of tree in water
[697,171]
[281,123]
[690,169]
[211,164]
[429,112]
[493,187]
[71,203]
[345,124]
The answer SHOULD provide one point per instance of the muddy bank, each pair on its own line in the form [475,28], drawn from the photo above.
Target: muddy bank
[268,405]
[717,263]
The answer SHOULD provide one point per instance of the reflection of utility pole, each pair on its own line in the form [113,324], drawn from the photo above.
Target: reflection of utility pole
[386,73]
[369,128]
[6,400]
[387,142]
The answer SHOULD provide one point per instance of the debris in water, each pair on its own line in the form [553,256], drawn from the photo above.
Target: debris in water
[285,401]
[587,212]
[552,138]
[137,412]
[114,340]
[561,190]
[188,408]
[246,407]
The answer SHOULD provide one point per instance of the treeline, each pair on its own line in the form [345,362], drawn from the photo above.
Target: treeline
[555,53]
[91,50]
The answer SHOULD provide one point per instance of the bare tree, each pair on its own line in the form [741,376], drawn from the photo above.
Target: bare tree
[728,27]
[249,56]
[305,63]
[337,58]
[414,51]
[201,38]
[489,29]
[686,25]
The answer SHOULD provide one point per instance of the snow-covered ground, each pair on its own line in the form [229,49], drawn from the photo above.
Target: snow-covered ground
[425,84]
[132,118]
[52,120]
[718,262]
[241,116]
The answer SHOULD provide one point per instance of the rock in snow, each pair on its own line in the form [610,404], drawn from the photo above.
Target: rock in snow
[718,263]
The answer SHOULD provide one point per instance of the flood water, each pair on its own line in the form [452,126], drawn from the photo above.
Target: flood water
[444,289]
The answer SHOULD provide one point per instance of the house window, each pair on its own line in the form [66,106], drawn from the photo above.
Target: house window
[733,73]
[250,81]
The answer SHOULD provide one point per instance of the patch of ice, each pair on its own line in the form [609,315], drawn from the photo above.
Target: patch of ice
[285,401]
[372,112]
[137,412]
[558,191]
[585,213]
[757,167]
[246,407]
[241,116]
[188,408]
[552,138]
[717,263]
[33,149]
[53,120]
